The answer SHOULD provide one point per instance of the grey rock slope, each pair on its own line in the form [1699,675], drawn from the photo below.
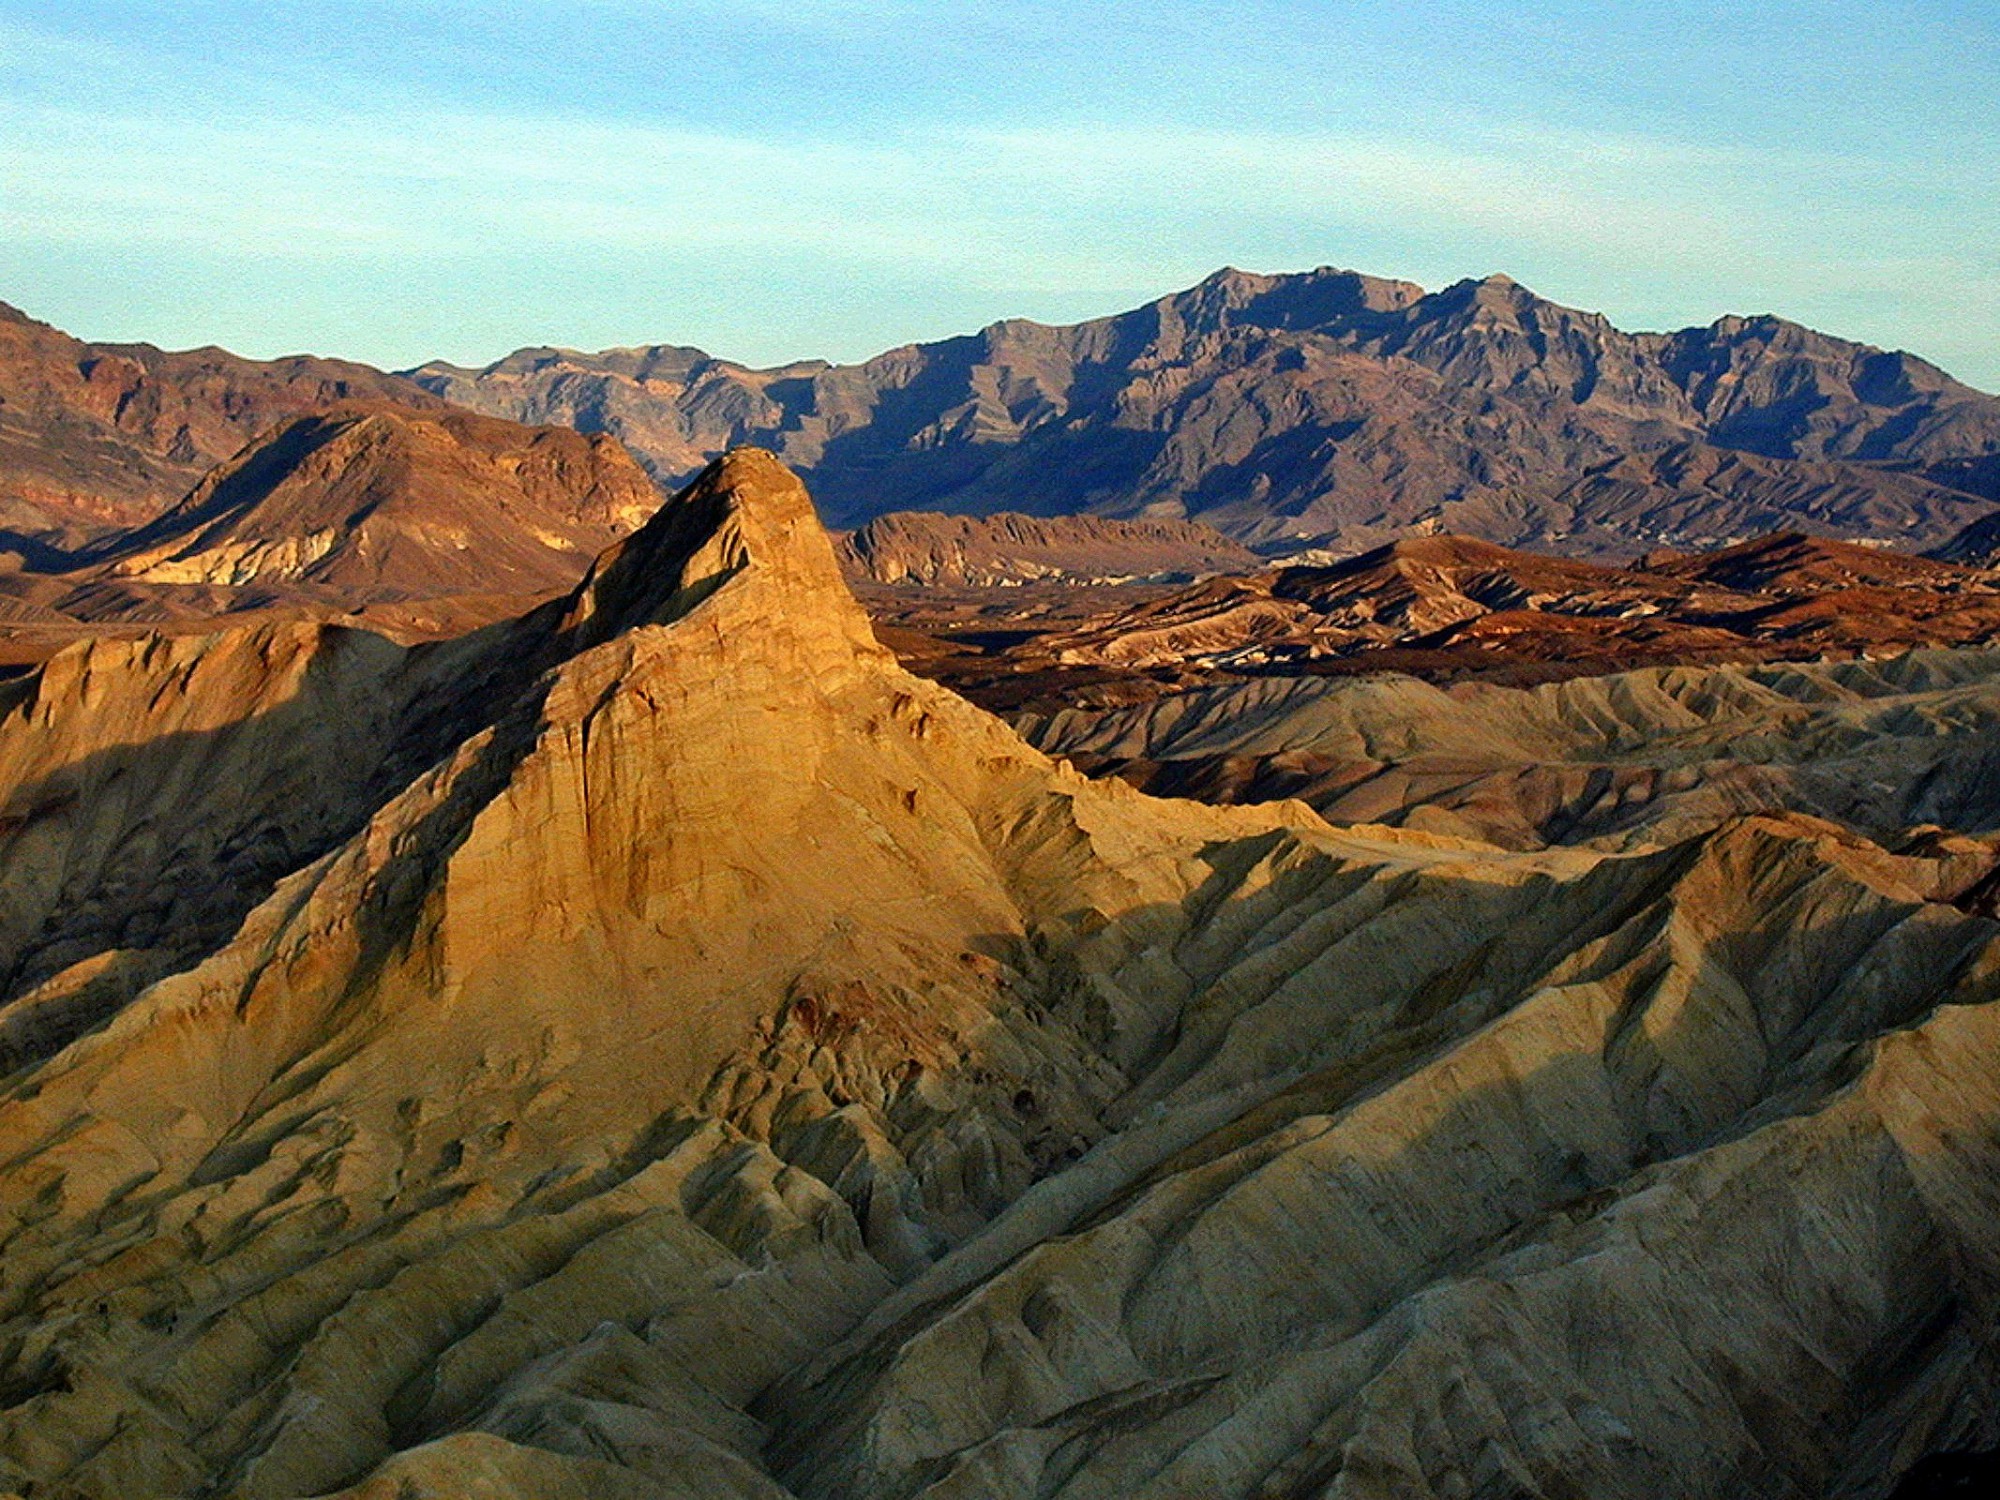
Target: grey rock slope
[923,547]
[1328,407]
[691,1057]
[1633,759]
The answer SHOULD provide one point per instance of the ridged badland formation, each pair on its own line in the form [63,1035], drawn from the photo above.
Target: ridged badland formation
[1444,608]
[658,1047]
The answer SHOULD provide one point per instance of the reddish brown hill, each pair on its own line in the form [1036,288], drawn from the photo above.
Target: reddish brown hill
[1452,607]
[1426,583]
[94,437]
[376,502]
[1791,562]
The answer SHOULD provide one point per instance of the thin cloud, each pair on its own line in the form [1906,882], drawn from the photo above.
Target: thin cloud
[1050,219]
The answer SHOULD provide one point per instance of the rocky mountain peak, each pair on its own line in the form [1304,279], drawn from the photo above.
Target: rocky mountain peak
[744,526]
[1327,299]
[1497,304]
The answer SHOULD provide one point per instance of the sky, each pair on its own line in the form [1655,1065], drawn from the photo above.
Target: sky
[401,180]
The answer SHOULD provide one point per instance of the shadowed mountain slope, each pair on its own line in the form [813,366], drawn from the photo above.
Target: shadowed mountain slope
[706,1060]
[1978,544]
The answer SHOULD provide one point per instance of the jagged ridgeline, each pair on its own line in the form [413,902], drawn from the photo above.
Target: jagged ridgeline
[657,1047]
[1328,406]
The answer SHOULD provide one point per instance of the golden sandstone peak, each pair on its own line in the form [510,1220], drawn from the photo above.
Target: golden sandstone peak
[746,515]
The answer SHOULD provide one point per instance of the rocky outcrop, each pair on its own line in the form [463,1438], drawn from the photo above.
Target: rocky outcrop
[998,551]
[715,1062]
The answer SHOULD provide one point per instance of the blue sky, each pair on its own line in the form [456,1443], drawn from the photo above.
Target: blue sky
[400,179]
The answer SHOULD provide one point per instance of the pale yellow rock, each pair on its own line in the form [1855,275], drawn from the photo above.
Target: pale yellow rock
[731,1066]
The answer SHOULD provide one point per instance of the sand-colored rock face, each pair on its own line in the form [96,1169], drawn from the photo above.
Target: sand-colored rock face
[689,1056]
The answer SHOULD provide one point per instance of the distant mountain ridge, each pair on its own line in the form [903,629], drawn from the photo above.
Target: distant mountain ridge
[1327,407]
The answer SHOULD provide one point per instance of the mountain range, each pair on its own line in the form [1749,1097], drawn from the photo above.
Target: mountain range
[1326,409]
[1331,409]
